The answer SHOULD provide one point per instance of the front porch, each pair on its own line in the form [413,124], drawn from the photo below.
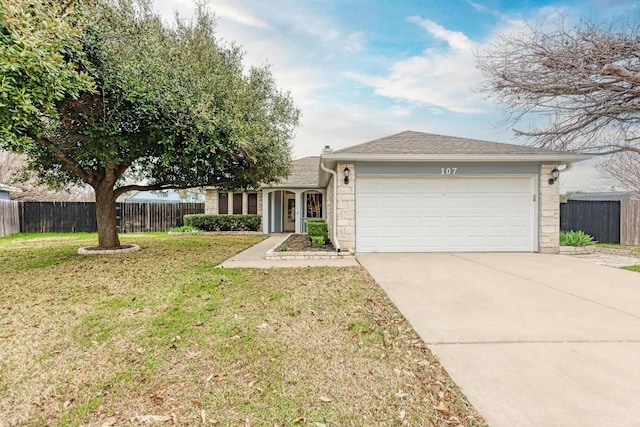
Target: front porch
[287,210]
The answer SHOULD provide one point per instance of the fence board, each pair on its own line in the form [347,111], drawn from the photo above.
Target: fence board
[68,217]
[630,222]
[57,217]
[9,218]
[148,217]
[600,219]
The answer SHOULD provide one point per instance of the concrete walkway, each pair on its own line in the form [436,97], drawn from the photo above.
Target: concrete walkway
[254,257]
[531,339]
[609,259]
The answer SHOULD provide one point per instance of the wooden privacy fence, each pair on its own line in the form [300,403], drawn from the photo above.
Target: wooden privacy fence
[606,221]
[630,222]
[141,217]
[68,217]
[599,219]
[57,217]
[9,218]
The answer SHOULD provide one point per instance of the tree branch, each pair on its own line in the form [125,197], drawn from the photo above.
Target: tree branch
[67,160]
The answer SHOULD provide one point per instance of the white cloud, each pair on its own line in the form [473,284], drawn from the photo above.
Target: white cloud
[438,77]
[446,77]
[399,111]
[237,15]
[455,39]
[324,34]
[481,8]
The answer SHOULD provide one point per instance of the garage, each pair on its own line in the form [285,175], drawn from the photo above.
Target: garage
[445,214]
[421,192]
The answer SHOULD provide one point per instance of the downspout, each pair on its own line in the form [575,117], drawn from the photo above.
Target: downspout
[567,166]
[335,205]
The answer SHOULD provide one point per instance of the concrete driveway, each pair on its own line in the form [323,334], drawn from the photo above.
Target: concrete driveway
[532,339]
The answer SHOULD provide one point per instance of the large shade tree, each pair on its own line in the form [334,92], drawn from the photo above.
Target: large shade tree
[569,88]
[111,93]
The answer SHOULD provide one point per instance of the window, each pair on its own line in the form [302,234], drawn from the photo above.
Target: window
[223,203]
[253,203]
[237,203]
[314,205]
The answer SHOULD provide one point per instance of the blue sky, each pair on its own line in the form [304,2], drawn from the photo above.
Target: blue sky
[363,69]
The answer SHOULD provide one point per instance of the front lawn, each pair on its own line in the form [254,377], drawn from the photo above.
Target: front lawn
[162,335]
[633,268]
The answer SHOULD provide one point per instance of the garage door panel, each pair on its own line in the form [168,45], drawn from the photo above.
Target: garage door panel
[444,214]
[519,185]
[496,203]
[476,222]
[518,222]
[520,202]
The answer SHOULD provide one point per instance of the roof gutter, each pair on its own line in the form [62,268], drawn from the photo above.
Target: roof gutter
[543,157]
[567,167]
[335,205]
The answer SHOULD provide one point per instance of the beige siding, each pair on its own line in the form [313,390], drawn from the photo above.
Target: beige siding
[211,202]
[549,216]
[346,226]
[245,203]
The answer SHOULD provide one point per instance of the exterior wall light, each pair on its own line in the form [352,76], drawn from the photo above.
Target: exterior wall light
[555,173]
[346,173]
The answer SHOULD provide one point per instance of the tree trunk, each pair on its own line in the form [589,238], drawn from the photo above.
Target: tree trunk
[106,216]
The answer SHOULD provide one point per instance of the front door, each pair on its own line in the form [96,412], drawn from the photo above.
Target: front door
[289,221]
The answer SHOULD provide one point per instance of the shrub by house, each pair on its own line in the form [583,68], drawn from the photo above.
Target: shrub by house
[207,222]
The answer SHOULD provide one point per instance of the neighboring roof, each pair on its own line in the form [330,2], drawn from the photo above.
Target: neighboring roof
[417,146]
[304,174]
[604,196]
[8,189]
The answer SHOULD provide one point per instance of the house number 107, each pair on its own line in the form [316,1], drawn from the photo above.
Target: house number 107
[448,171]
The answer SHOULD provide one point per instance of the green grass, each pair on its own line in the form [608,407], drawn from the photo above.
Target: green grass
[633,268]
[163,331]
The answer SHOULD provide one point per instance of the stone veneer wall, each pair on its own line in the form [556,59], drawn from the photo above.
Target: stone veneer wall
[259,211]
[346,225]
[211,202]
[549,216]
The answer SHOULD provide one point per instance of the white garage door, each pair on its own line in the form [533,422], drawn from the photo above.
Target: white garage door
[452,214]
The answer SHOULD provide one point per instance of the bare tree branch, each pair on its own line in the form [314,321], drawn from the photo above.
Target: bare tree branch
[13,172]
[578,87]
[624,169]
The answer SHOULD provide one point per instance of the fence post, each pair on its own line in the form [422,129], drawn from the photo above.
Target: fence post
[630,222]
[9,217]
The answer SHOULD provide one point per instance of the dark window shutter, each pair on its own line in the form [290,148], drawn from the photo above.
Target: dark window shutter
[223,203]
[253,203]
[237,203]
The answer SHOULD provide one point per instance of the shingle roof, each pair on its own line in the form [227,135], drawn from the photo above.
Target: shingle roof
[304,173]
[411,142]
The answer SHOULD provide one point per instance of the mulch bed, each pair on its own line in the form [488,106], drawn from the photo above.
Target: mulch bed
[301,243]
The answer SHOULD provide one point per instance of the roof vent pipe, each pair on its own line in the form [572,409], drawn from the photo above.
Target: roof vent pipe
[334,233]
